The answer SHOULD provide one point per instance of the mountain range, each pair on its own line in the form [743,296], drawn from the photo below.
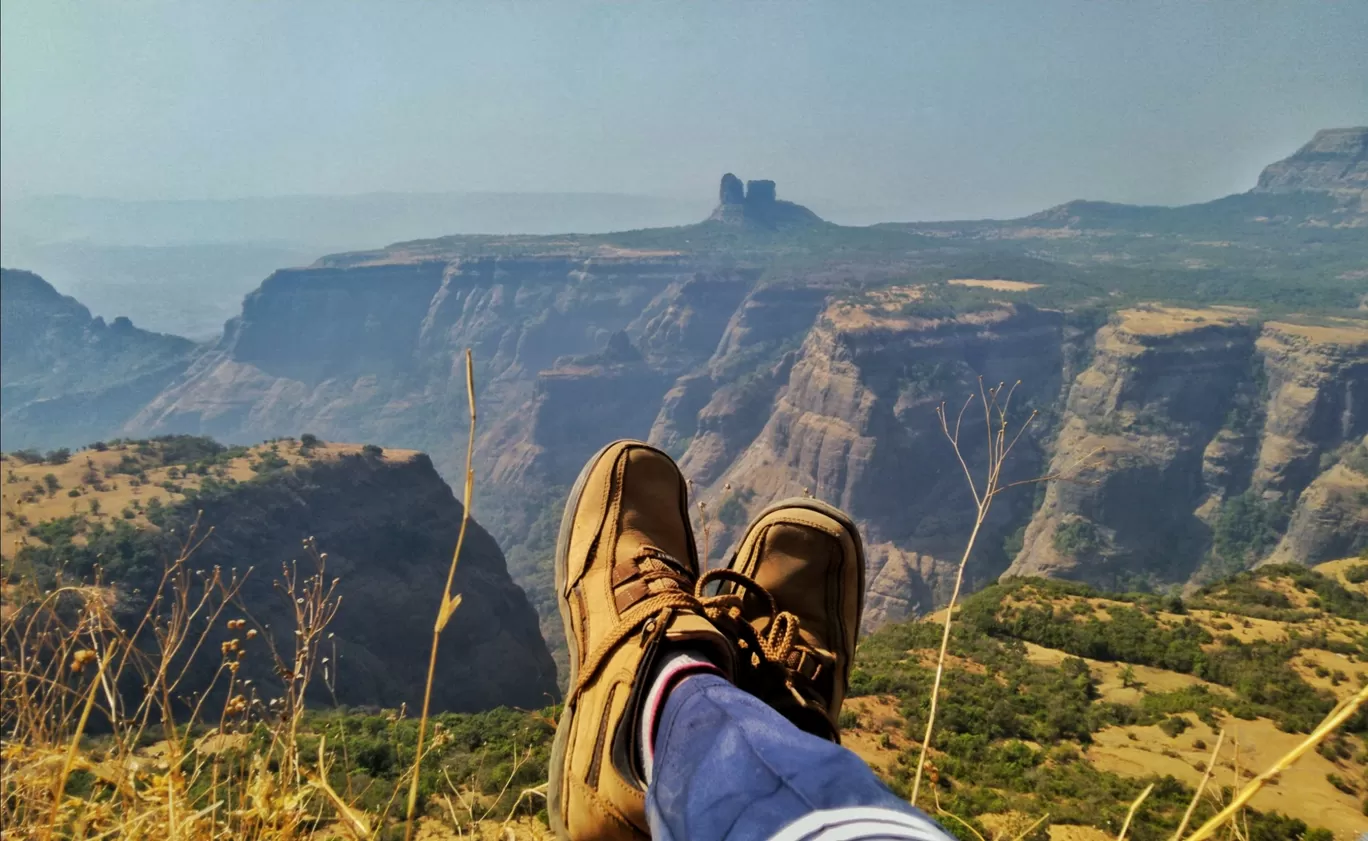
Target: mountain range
[1199,374]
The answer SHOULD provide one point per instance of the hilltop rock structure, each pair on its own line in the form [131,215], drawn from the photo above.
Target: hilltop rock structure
[757,205]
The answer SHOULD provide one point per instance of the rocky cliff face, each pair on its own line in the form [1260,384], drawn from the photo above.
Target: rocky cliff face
[1331,516]
[570,351]
[70,377]
[852,422]
[774,354]
[387,341]
[1335,161]
[1198,432]
[1171,419]
[389,527]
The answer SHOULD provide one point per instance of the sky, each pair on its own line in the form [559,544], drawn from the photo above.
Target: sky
[906,109]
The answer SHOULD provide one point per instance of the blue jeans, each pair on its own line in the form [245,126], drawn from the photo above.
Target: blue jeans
[729,767]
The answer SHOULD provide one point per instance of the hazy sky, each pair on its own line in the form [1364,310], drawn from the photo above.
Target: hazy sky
[930,110]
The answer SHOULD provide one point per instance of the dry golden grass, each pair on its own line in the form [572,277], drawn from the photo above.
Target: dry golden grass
[881,309]
[88,698]
[105,702]
[1110,684]
[1165,321]
[1344,675]
[25,498]
[1243,628]
[69,667]
[1302,791]
[1073,832]
[1340,331]
[997,285]
[1008,824]
[1337,569]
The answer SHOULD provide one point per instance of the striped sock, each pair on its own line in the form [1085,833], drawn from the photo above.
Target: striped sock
[669,670]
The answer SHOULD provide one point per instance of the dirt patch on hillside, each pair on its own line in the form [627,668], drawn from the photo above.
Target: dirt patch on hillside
[878,736]
[877,308]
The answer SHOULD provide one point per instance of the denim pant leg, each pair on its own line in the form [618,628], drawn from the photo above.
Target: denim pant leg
[729,767]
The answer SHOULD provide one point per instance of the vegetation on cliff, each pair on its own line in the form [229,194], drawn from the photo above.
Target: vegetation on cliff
[386,520]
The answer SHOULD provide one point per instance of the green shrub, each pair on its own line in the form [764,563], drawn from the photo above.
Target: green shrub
[1076,538]
[1248,527]
[269,461]
[1174,726]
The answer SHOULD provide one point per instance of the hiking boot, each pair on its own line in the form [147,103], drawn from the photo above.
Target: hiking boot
[807,556]
[626,574]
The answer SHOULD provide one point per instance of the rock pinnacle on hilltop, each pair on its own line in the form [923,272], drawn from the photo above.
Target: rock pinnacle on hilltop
[756,205]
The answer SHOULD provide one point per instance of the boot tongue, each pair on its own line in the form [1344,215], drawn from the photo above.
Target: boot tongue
[699,632]
[797,560]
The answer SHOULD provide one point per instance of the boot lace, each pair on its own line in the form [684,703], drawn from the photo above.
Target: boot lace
[671,595]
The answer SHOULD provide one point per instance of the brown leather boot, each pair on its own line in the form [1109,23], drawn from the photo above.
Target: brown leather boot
[808,557]
[626,571]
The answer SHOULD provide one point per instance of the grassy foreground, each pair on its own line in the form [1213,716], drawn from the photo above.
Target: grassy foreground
[1060,706]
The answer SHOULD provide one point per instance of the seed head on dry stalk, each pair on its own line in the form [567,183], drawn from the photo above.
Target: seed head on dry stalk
[449,603]
[1001,442]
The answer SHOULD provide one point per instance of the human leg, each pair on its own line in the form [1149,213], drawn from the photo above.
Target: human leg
[734,765]
[729,767]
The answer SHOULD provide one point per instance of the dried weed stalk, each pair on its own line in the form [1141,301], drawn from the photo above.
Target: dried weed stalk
[449,603]
[996,405]
[70,668]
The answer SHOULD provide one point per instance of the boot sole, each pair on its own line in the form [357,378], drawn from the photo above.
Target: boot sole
[558,747]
